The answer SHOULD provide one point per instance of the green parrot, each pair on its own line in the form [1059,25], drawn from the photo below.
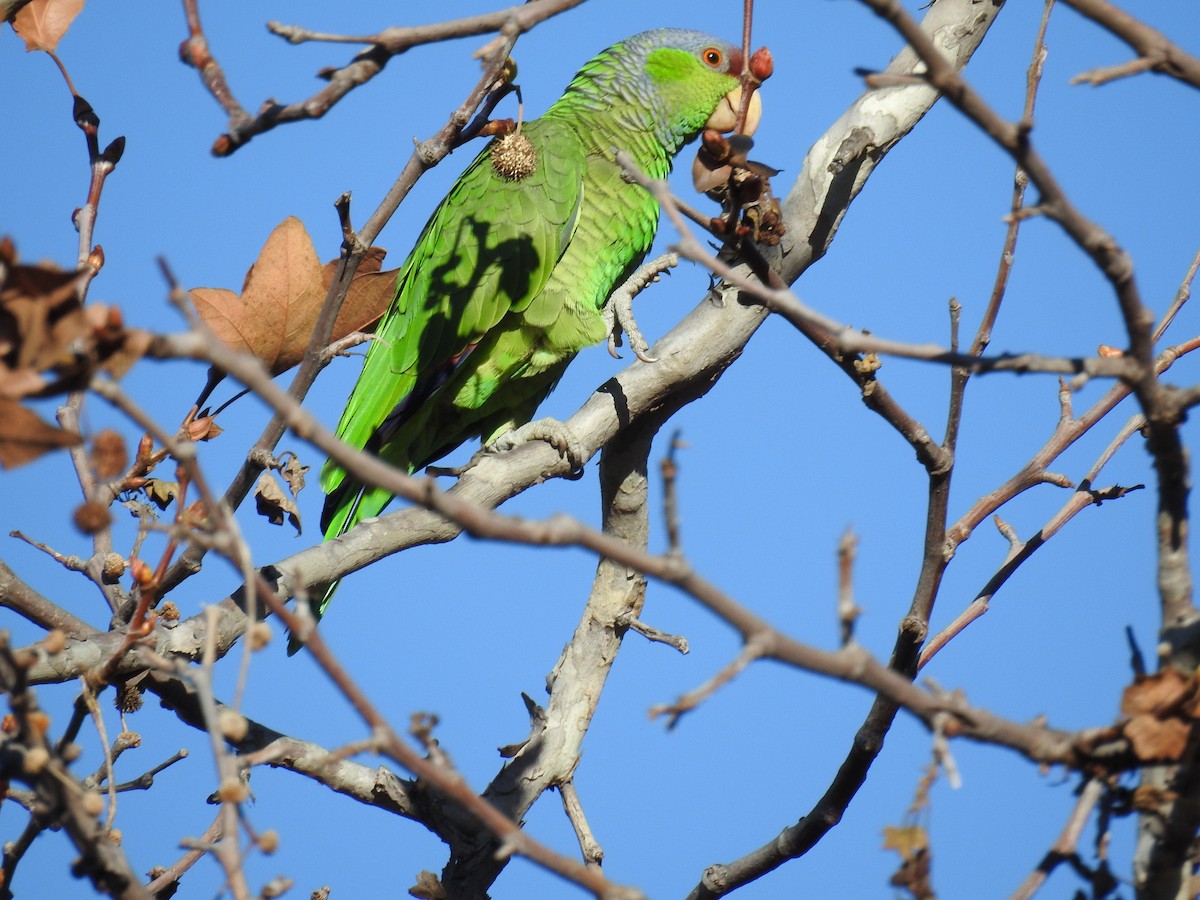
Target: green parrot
[508,280]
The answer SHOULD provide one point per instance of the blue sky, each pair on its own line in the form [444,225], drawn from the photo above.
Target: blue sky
[781,459]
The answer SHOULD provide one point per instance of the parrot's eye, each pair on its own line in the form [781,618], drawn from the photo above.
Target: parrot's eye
[713,57]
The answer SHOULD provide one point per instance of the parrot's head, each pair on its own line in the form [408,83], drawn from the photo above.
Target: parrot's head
[685,80]
[695,77]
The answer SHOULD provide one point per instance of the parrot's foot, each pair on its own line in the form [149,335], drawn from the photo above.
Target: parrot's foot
[552,431]
[618,311]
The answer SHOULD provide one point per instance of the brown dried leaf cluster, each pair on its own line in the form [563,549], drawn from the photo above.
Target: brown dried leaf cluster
[274,315]
[269,498]
[50,343]
[1163,710]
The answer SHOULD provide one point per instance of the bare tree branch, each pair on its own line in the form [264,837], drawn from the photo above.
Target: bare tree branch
[1156,52]
[242,126]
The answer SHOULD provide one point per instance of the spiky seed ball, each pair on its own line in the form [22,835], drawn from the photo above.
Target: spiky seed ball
[514,157]
[114,568]
[260,635]
[233,724]
[129,698]
[93,803]
[232,790]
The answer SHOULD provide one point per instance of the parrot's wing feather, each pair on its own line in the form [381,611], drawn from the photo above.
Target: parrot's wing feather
[487,249]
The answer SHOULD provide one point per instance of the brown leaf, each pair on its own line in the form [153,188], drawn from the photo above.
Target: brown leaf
[1155,739]
[118,355]
[161,492]
[42,23]
[371,292]
[1158,694]
[273,503]
[44,328]
[21,383]
[913,875]
[906,840]
[282,296]
[40,316]
[24,436]
[293,472]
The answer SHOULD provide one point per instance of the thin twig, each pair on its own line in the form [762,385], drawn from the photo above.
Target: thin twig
[1156,52]
[1067,843]
[847,610]
[592,852]
[242,126]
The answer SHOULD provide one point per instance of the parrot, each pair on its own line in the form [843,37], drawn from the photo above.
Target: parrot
[508,280]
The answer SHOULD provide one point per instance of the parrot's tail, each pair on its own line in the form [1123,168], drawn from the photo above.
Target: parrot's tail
[343,510]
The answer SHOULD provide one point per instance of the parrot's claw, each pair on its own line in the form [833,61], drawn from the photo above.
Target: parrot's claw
[553,432]
[618,317]
[618,311]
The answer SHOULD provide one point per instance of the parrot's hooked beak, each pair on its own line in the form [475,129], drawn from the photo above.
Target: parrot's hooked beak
[724,117]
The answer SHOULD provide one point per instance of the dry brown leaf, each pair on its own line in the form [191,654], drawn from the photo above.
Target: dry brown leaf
[293,472]
[1155,739]
[24,436]
[273,503]
[905,840]
[913,876]
[42,23]
[282,296]
[161,492]
[1158,694]
[40,316]
[371,292]
[44,328]
[22,383]
[118,351]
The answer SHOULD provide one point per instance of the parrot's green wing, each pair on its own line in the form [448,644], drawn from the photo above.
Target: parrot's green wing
[486,252]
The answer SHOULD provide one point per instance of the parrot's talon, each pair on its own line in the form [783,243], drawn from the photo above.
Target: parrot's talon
[614,337]
[618,311]
[618,317]
[553,432]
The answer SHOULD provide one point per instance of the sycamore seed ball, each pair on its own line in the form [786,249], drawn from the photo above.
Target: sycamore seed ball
[514,156]
[233,724]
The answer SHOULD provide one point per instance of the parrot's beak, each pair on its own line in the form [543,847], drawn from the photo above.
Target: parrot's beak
[724,117]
